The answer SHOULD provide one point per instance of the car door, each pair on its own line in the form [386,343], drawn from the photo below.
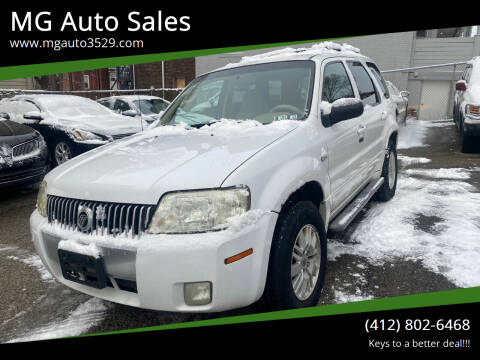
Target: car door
[375,112]
[344,140]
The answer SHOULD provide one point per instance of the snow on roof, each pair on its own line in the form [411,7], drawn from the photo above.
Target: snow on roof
[323,48]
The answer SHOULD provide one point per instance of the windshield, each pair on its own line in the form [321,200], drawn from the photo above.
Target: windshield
[264,92]
[150,106]
[71,106]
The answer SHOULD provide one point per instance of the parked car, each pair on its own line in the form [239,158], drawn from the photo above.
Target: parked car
[466,108]
[70,124]
[23,154]
[146,107]
[208,211]
[401,100]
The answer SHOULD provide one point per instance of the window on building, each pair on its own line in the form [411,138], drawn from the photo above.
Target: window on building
[86,82]
[336,84]
[365,86]
[180,83]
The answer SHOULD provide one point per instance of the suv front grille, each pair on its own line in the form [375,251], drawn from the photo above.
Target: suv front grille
[24,149]
[107,218]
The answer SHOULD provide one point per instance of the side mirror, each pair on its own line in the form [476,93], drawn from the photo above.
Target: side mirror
[131,113]
[404,93]
[461,85]
[343,109]
[4,116]
[33,115]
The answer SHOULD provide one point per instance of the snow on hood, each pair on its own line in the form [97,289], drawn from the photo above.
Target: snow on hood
[139,169]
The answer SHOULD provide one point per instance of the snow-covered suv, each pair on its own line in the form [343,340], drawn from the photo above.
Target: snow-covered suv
[466,108]
[214,206]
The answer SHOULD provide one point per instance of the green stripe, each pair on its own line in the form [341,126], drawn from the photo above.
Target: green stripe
[449,297]
[23,71]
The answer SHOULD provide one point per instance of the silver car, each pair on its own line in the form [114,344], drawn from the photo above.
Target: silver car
[401,100]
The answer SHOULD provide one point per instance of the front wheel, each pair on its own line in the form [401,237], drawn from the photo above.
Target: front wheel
[62,152]
[298,258]
[389,174]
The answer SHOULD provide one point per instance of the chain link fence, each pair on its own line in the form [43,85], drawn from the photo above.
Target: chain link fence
[165,93]
[432,89]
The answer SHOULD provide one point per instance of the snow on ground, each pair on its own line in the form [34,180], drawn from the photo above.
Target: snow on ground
[450,246]
[85,316]
[33,261]
[343,297]
[408,160]
[450,173]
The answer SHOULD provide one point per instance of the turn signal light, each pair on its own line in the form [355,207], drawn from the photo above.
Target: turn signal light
[238,256]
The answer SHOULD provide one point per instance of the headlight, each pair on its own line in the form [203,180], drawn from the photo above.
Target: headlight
[42,199]
[83,135]
[473,110]
[199,211]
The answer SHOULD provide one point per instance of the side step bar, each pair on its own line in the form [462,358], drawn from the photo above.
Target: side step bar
[343,219]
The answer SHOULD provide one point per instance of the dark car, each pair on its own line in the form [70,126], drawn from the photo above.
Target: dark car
[70,124]
[23,154]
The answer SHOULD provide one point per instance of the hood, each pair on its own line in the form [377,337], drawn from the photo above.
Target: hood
[102,125]
[141,168]
[12,133]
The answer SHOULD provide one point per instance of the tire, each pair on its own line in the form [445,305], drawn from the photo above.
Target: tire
[285,257]
[467,141]
[389,186]
[61,145]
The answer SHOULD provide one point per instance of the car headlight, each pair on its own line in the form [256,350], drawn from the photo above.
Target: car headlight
[199,210]
[42,199]
[472,110]
[83,135]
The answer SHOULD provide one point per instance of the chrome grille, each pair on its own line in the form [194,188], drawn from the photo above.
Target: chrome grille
[24,149]
[108,218]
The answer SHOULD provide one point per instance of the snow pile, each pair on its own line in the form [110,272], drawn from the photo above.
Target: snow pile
[222,127]
[412,135]
[323,48]
[407,160]
[451,246]
[450,173]
[85,316]
[76,247]
[344,297]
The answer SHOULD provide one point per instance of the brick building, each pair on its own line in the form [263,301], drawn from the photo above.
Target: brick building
[178,74]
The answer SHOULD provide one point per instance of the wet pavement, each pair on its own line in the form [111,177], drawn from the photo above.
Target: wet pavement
[422,241]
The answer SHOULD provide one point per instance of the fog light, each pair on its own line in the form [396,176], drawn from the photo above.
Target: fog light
[198,293]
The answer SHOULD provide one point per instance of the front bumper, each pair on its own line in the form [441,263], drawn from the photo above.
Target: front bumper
[161,264]
[471,126]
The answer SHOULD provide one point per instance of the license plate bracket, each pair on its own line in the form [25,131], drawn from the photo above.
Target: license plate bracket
[83,269]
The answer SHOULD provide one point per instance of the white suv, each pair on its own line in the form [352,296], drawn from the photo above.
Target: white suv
[222,203]
[466,108]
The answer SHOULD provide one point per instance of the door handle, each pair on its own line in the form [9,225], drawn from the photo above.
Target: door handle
[323,154]
[384,115]
[361,132]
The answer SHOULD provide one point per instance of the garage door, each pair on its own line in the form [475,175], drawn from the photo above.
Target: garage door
[434,100]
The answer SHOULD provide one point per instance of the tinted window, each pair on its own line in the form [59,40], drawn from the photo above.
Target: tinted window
[336,84]
[380,79]
[121,106]
[365,86]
